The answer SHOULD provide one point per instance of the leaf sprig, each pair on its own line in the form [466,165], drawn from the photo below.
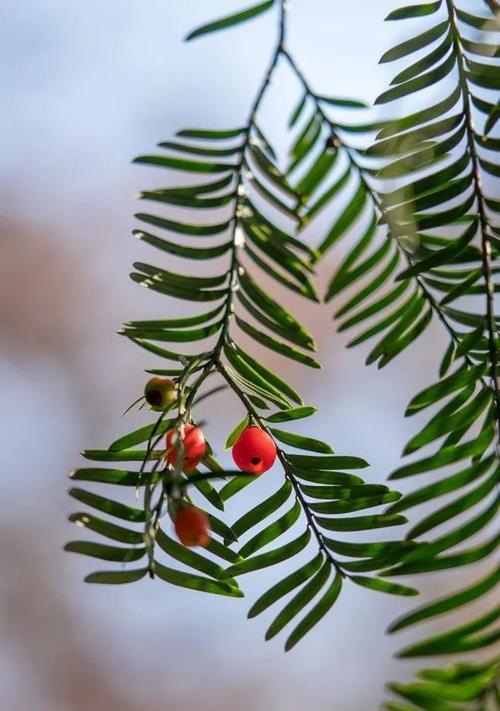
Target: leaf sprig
[415,273]
[235,172]
[422,199]
[457,264]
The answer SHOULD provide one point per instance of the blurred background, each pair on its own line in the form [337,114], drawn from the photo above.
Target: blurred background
[86,86]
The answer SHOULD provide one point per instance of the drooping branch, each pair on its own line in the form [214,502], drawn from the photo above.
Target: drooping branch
[317,483]
[338,142]
[481,205]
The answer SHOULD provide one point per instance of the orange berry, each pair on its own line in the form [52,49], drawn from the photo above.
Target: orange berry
[192,527]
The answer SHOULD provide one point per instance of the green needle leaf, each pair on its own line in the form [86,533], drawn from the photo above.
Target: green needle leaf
[231,20]
[97,550]
[381,585]
[264,560]
[314,616]
[299,601]
[446,604]
[116,577]
[283,587]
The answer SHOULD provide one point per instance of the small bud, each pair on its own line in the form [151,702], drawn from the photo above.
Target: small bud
[192,526]
[239,237]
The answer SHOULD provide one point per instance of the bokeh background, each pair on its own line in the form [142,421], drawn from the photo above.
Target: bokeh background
[84,87]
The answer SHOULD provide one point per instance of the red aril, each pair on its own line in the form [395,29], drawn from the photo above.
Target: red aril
[254,451]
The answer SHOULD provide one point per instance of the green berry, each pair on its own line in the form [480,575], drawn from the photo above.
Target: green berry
[160,392]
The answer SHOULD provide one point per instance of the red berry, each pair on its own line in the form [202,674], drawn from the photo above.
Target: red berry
[254,451]
[192,527]
[194,444]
